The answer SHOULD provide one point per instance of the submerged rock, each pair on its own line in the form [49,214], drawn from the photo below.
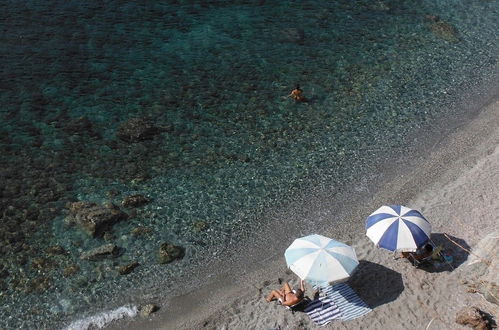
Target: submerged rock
[55,250]
[81,125]
[139,231]
[70,270]
[136,129]
[148,309]
[39,284]
[169,252]
[127,269]
[94,219]
[100,252]
[292,35]
[199,226]
[134,201]
[379,6]
[42,264]
[3,287]
[4,272]
[108,236]
[443,29]
[112,193]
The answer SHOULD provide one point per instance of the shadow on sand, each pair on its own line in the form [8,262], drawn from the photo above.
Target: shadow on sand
[459,254]
[376,284]
[452,246]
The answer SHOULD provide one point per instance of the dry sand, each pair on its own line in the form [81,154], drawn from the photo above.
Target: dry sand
[458,192]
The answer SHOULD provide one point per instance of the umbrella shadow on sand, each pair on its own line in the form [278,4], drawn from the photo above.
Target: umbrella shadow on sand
[375,283]
[452,246]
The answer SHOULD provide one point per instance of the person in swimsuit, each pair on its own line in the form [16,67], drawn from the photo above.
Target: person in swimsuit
[421,253]
[297,94]
[287,296]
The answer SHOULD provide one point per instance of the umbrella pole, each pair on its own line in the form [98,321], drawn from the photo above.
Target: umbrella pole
[487,262]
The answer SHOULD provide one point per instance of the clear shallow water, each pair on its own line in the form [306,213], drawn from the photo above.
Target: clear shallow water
[214,77]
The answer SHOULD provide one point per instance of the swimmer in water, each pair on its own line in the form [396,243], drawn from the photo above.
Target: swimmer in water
[297,94]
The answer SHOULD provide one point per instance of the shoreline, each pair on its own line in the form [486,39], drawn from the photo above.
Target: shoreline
[224,290]
[233,150]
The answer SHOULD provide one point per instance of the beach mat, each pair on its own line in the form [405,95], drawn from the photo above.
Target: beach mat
[322,310]
[351,306]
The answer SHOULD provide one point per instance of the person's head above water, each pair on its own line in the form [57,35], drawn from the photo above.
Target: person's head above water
[297,86]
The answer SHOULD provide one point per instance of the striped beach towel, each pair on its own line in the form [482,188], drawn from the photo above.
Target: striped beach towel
[322,310]
[347,301]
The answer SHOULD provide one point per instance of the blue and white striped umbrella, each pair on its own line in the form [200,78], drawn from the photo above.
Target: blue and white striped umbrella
[398,228]
[320,260]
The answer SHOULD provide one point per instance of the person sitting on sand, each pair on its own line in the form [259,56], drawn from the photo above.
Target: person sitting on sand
[287,296]
[297,94]
[420,254]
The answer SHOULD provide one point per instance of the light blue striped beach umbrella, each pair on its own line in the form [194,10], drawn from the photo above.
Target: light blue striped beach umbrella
[321,261]
[398,228]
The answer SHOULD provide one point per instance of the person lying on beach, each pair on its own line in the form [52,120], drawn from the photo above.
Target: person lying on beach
[287,296]
[297,94]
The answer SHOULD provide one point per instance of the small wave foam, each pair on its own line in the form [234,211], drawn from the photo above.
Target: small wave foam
[100,320]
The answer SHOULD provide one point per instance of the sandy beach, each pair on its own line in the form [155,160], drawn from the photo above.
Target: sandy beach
[455,185]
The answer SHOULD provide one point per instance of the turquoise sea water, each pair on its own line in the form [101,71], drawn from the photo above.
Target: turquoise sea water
[213,77]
